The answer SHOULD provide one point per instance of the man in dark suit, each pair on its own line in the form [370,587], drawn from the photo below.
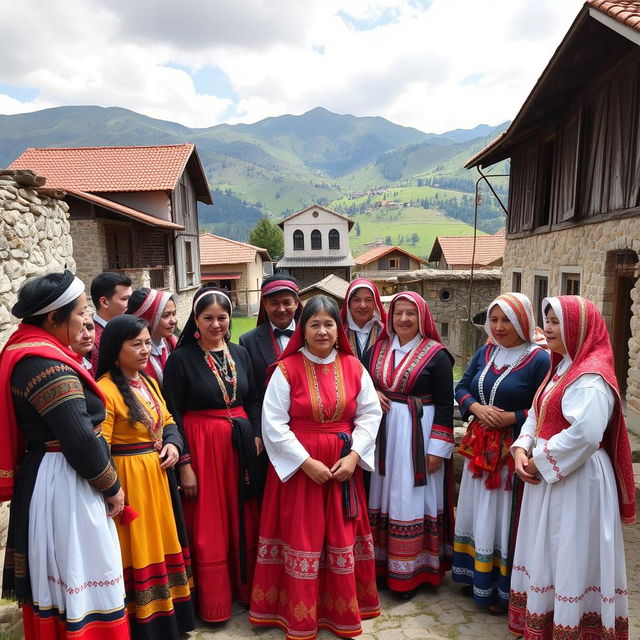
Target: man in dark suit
[279,311]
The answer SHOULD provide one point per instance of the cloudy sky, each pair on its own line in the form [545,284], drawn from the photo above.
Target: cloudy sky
[431,64]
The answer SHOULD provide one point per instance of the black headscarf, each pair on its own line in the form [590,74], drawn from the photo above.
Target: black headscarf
[29,305]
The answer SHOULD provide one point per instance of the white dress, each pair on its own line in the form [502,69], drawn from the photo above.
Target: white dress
[409,513]
[569,577]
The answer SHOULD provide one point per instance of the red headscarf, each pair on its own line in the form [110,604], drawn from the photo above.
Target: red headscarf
[586,340]
[296,342]
[426,325]
[152,308]
[359,283]
[27,340]
[277,286]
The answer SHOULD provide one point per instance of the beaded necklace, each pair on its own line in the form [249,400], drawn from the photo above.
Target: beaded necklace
[494,389]
[149,399]
[227,367]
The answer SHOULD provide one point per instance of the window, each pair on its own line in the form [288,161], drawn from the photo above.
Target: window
[298,240]
[334,239]
[188,254]
[516,281]
[445,295]
[118,244]
[546,179]
[393,263]
[316,240]
[444,330]
[540,288]
[571,284]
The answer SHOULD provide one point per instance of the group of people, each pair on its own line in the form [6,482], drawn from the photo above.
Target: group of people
[308,466]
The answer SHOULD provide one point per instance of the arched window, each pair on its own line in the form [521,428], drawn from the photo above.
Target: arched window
[334,239]
[316,240]
[298,240]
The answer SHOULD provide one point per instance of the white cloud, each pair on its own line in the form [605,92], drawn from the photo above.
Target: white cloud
[286,56]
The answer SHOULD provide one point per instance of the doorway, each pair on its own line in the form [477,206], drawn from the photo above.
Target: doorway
[624,280]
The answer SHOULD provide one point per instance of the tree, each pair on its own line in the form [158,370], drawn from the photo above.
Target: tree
[388,241]
[268,236]
[357,228]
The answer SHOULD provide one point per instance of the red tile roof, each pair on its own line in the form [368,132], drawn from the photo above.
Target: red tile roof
[458,250]
[624,11]
[140,216]
[218,250]
[378,252]
[104,169]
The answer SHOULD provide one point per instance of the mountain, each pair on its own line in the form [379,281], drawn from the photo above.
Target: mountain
[275,166]
[480,131]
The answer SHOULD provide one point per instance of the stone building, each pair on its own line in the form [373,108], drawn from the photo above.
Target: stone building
[34,237]
[316,244]
[447,294]
[237,267]
[132,209]
[573,224]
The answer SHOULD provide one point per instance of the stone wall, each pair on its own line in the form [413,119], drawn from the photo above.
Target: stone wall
[34,237]
[89,248]
[587,250]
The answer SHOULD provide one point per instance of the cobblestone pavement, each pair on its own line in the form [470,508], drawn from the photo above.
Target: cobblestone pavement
[431,615]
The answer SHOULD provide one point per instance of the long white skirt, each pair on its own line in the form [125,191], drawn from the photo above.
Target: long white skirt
[481,542]
[569,572]
[74,554]
[406,521]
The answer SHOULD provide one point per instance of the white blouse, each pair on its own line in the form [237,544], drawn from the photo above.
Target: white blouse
[286,452]
[587,404]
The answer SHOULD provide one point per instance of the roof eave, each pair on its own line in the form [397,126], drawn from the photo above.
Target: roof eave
[499,149]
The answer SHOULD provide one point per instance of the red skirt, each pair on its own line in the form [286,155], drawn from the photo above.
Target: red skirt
[315,567]
[212,518]
[50,625]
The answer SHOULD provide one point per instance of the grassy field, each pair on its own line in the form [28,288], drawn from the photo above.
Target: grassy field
[241,325]
[426,223]
[399,194]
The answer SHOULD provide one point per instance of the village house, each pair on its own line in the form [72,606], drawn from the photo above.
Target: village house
[316,244]
[456,252]
[237,267]
[382,265]
[574,195]
[131,209]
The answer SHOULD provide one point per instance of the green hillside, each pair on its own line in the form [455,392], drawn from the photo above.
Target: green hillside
[400,225]
[280,165]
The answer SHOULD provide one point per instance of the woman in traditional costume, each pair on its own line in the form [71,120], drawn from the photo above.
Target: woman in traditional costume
[62,561]
[411,495]
[158,308]
[363,316]
[209,388]
[145,444]
[320,417]
[569,577]
[494,396]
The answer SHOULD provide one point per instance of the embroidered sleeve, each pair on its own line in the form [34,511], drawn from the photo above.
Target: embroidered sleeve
[463,395]
[56,393]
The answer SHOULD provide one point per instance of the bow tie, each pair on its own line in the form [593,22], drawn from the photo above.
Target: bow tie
[278,333]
